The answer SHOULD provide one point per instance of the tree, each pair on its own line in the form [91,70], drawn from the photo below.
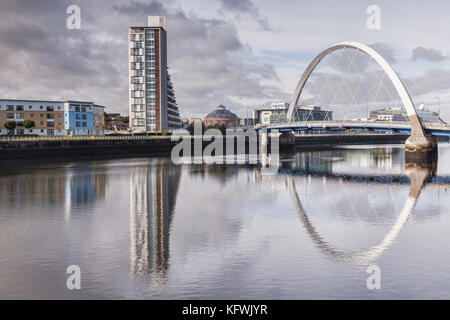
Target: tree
[107,119]
[29,124]
[191,128]
[10,125]
[221,127]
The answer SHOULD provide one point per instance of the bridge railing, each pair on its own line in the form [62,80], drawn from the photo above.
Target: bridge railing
[77,138]
[344,123]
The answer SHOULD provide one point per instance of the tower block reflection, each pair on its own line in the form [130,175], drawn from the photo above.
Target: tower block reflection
[153,192]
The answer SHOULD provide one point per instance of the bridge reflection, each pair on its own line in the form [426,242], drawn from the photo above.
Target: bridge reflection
[417,176]
[344,167]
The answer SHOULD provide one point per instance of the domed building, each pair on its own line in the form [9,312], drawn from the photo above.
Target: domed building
[221,115]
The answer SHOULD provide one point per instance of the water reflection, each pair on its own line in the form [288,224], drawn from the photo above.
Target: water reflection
[145,228]
[418,177]
[153,194]
[70,187]
[382,166]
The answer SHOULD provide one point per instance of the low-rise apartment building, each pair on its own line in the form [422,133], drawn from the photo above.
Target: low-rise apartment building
[51,118]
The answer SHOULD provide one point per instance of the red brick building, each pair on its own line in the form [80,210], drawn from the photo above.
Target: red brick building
[221,116]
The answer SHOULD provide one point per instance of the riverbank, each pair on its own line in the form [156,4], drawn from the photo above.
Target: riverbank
[88,147]
[25,149]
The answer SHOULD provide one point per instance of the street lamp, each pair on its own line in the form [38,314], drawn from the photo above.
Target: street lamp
[439,101]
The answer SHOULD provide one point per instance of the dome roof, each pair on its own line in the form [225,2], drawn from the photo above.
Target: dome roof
[221,112]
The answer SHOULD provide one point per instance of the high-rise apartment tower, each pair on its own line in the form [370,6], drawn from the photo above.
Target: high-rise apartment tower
[152,103]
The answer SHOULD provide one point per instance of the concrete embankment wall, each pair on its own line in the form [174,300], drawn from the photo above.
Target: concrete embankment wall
[61,149]
[54,149]
[325,140]
[41,149]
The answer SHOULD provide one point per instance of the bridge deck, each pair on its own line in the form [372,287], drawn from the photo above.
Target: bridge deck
[430,128]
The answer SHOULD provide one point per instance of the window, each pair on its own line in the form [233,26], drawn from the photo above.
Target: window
[50,124]
[42,107]
[77,109]
[30,107]
[77,116]
[59,123]
[42,115]
[41,123]
[136,80]
[19,115]
[19,108]
[84,117]
[136,52]
[59,115]
[9,108]
[19,124]
[20,131]
[84,124]
[77,124]
[50,108]
[32,115]
[50,132]
[50,116]
[10,115]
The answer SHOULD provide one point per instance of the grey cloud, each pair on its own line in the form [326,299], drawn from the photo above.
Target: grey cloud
[436,82]
[386,51]
[246,7]
[430,54]
[432,80]
[209,63]
[41,59]
[141,9]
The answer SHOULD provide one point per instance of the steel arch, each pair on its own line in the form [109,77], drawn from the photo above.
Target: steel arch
[398,84]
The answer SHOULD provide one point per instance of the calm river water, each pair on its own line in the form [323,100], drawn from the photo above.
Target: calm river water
[143,228]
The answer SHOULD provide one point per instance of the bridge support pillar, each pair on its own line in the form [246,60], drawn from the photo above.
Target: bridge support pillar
[287,140]
[418,142]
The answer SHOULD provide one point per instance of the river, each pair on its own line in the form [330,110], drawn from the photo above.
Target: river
[144,228]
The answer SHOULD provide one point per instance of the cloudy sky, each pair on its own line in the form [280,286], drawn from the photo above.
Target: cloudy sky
[241,53]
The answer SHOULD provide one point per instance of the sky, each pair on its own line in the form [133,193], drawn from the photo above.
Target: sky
[240,53]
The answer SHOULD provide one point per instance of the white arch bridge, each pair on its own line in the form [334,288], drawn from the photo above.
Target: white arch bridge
[420,133]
